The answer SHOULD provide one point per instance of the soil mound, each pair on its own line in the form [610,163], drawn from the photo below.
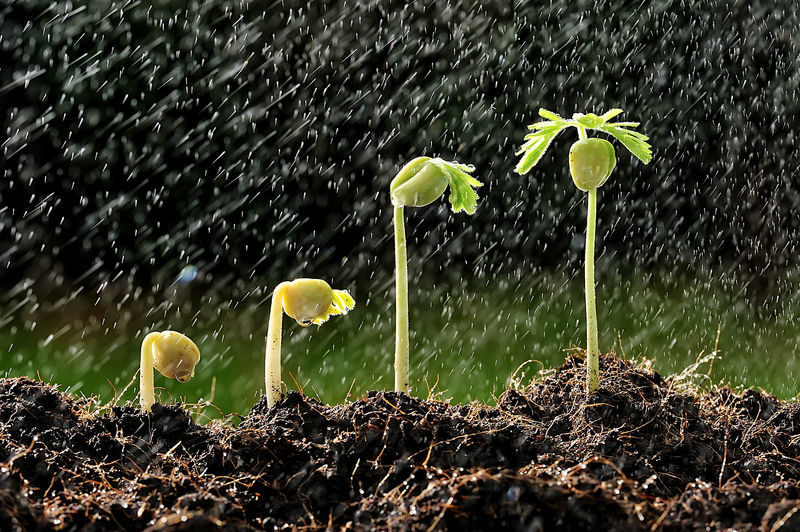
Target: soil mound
[643,453]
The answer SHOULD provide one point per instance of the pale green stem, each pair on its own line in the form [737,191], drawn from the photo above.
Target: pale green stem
[272,362]
[146,392]
[401,290]
[581,133]
[592,349]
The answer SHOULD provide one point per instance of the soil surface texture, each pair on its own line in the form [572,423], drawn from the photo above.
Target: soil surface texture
[643,453]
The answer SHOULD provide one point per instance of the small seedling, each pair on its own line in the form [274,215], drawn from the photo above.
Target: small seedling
[173,354]
[420,183]
[307,301]
[590,164]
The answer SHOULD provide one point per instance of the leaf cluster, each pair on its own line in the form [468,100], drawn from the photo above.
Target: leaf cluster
[543,133]
[462,185]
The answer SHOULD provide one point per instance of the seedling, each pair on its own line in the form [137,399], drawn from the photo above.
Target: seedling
[590,163]
[307,301]
[420,183]
[173,354]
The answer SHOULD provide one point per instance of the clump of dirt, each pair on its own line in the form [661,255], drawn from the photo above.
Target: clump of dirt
[642,453]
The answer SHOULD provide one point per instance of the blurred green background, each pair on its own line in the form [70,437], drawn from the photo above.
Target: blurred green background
[468,338]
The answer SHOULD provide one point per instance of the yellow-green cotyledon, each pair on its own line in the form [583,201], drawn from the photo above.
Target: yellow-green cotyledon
[173,354]
[591,162]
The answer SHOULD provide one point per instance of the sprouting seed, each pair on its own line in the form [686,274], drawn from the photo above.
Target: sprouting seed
[590,163]
[419,183]
[173,354]
[307,301]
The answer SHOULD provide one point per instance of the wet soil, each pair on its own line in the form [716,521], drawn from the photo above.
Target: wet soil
[643,453]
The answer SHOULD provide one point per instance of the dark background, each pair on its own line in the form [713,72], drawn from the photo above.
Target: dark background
[256,141]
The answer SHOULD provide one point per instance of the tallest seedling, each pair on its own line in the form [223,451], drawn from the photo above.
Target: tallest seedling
[590,163]
[420,183]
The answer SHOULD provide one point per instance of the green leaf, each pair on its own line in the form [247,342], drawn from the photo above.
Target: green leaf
[633,140]
[608,115]
[541,125]
[589,121]
[462,194]
[543,133]
[544,113]
[537,143]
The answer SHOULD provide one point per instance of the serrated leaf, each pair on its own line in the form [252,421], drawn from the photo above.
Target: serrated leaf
[589,120]
[541,125]
[543,133]
[533,150]
[533,138]
[342,303]
[635,142]
[636,134]
[608,115]
[462,194]
[544,113]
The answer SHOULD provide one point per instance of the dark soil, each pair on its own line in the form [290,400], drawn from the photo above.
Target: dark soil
[641,454]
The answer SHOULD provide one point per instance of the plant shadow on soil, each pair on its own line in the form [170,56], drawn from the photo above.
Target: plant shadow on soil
[643,453]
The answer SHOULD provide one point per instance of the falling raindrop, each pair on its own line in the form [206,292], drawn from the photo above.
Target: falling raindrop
[165,167]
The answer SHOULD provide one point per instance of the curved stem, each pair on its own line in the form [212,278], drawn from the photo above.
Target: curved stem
[272,362]
[401,291]
[592,349]
[146,392]
[581,133]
